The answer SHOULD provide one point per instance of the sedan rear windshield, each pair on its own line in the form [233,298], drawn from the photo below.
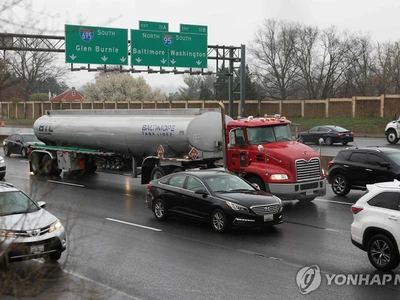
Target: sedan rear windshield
[339,129]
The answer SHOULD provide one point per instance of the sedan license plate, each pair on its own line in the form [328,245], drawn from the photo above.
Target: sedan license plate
[37,249]
[268,218]
[309,193]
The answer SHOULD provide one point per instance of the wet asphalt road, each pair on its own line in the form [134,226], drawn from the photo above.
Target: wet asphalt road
[117,250]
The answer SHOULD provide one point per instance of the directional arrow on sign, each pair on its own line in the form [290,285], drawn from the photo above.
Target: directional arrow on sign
[73,56]
[104,58]
[122,59]
[138,59]
[163,61]
[198,62]
[173,61]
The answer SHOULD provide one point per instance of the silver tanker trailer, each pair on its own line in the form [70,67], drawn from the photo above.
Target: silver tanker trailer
[160,140]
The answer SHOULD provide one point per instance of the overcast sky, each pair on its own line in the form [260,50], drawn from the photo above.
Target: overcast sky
[230,22]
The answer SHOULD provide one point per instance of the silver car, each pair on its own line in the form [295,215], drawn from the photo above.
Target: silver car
[27,230]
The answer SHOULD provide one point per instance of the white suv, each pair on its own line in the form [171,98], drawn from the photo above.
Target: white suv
[376,225]
[26,229]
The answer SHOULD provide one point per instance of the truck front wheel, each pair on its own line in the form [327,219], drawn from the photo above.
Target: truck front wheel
[392,137]
[48,166]
[35,164]
[257,181]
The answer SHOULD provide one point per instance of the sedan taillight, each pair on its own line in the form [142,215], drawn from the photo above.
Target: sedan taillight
[149,186]
[356,209]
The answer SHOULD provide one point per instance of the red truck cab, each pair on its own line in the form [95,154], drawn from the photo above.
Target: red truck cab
[264,152]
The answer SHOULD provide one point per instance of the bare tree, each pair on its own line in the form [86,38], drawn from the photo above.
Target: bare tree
[381,70]
[33,68]
[357,79]
[273,49]
[321,56]
[394,70]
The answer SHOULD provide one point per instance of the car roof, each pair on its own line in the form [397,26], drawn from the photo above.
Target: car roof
[208,172]
[372,148]
[389,184]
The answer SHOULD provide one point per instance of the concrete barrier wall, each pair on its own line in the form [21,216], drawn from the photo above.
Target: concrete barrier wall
[381,106]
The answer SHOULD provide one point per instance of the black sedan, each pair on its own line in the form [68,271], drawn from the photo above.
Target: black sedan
[222,199]
[329,133]
[19,143]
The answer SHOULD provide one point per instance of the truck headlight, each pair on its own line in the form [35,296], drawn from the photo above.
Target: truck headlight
[235,206]
[278,177]
[56,225]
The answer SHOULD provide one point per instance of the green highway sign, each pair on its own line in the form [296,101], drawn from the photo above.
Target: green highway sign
[168,49]
[199,29]
[96,45]
[157,26]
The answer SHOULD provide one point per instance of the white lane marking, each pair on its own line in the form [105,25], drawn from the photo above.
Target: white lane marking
[333,201]
[107,287]
[66,183]
[133,224]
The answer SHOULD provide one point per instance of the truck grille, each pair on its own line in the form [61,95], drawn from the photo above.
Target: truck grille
[266,209]
[308,170]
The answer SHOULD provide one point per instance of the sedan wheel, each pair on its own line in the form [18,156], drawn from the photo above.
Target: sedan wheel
[23,152]
[382,254]
[52,257]
[6,150]
[160,210]
[328,141]
[340,185]
[218,220]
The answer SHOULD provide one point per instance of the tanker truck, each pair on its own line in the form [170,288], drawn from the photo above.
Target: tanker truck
[162,141]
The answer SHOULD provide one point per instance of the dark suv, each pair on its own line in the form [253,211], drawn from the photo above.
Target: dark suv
[354,168]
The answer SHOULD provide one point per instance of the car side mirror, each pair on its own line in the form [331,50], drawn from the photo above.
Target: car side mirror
[41,204]
[385,164]
[18,141]
[201,192]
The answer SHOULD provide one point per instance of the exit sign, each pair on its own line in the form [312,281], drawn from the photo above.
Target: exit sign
[199,29]
[157,26]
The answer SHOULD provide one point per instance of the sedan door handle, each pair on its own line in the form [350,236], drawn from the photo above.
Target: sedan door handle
[369,170]
[392,218]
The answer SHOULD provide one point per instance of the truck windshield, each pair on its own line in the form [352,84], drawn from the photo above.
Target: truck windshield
[268,134]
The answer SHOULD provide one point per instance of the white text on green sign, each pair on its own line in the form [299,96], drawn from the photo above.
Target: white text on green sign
[168,49]
[96,45]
